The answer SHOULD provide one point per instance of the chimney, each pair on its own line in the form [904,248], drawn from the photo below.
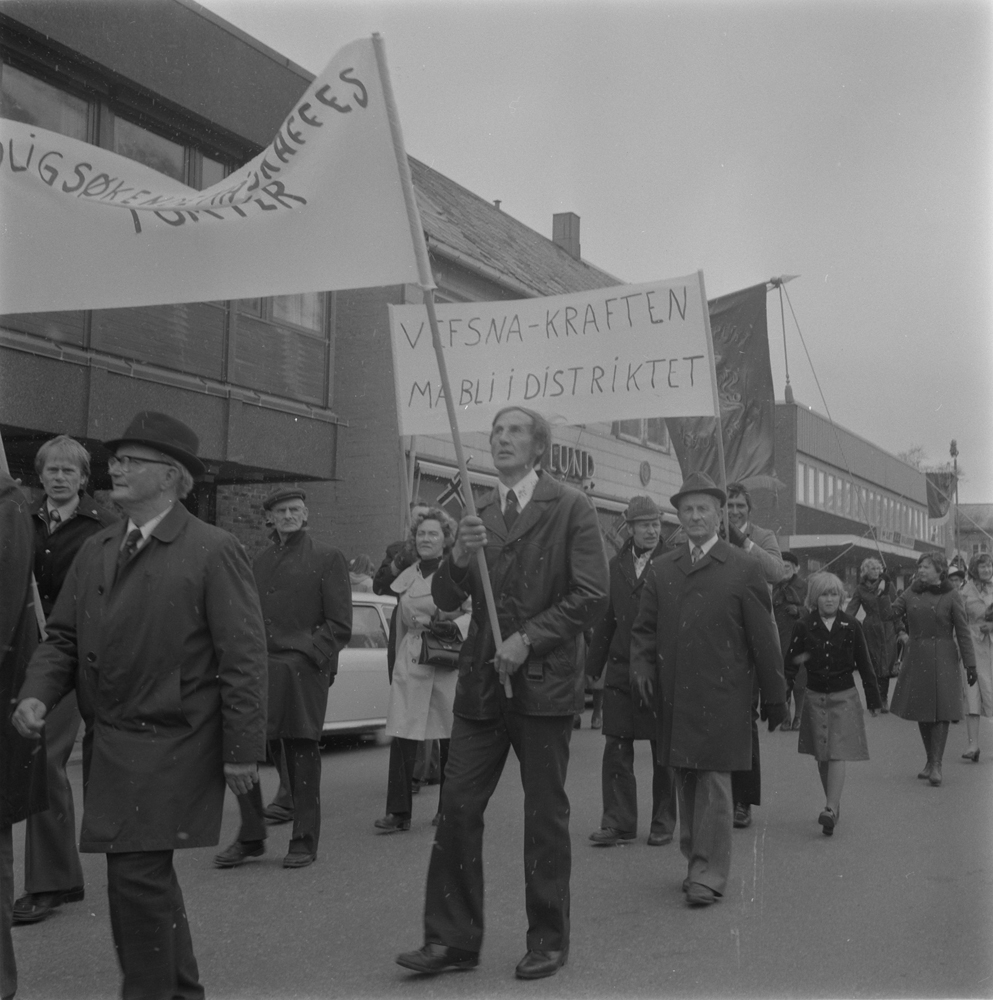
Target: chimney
[565,232]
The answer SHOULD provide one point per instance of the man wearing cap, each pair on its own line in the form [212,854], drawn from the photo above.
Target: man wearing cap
[761,545]
[626,717]
[63,519]
[158,629]
[704,630]
[306,599]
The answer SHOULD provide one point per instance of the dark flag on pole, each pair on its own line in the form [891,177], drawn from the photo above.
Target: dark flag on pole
[744,385]
[940,487]
[453,491]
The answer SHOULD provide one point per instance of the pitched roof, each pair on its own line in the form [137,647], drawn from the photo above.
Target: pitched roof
[466,225]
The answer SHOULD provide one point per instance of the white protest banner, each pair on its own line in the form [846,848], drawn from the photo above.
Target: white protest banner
[321,208]
[607,354]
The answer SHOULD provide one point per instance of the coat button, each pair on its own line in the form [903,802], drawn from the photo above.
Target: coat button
[100,589]
[91,657]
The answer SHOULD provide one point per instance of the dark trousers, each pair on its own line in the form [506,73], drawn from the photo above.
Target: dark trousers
[8,967]
[453,907]
[151,933]
[302,759]
[705,815]
[403,754]
[746,786]
[620,789]
[51,860]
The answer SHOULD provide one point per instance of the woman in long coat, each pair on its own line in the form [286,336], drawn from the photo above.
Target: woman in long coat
[928,690]
[880,636]
[977,595]
[421,696]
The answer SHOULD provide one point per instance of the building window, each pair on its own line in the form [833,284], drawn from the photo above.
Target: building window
[801,471]
[848,499]
[650,432]
[155,151]
[811,473]
[820,488]
[306,310]
[32,101]
[211,172]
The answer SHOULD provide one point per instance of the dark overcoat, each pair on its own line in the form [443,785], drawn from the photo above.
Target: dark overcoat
[929,688]
[55,552]
[879,635]
[704,633]
[306,597]
[550,578]
[168,662]
[22,761]
[625,714]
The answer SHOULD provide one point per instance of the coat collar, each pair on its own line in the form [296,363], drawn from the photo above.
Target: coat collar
[547,491]
[718,551]
[85,508]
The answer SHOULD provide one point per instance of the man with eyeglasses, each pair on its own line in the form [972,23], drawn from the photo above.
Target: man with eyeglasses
[158,629]
[63,519]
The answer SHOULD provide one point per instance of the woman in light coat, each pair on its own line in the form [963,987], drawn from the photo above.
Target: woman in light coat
[421,696]
[928,690]
[977,596]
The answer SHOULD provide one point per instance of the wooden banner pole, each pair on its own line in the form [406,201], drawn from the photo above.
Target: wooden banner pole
[719,430]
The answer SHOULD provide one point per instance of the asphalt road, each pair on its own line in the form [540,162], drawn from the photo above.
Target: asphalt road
[898,903]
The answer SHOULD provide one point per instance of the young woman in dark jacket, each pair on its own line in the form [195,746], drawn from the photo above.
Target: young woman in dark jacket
[831,645]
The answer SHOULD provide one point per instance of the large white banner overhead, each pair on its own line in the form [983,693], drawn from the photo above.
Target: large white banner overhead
[321,208]
[609,354]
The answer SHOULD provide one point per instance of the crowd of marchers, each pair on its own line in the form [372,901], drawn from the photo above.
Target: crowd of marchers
[189,667]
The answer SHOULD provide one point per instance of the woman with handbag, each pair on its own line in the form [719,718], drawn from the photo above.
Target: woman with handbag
[425,672]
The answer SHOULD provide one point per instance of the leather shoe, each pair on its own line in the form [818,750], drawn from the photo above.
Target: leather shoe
[659,839]
[33,907]
[700,895]
[239,852]
[539,964]
[608,837]
[298,859]
[742,816]
[434,958]
[828,818]
[274,814]
[972,755]
[392,823]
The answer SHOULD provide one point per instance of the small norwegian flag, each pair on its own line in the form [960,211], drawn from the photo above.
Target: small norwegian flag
[453,491]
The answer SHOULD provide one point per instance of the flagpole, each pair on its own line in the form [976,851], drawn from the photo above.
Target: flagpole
[428,286]
[723,484]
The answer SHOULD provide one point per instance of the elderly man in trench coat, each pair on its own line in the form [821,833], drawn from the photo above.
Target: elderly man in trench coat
[159,630]
[306,600]
[704,630]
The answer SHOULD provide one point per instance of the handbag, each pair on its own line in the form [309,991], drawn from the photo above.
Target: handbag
[441,643]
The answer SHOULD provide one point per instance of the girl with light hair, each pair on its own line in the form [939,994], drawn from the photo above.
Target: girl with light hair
[831,645]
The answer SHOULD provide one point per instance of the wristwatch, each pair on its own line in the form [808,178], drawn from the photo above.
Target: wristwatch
[524,636]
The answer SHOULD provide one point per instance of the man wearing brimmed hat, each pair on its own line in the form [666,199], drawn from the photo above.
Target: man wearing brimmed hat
[158,628]
[626,717]
[704,630]
[306,600]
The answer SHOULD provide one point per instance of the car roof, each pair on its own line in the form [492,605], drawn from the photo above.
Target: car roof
[364,597]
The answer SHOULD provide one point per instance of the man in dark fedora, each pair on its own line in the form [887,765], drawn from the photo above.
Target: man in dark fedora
[704,631]
[626,717]
[306,597]
[158,629]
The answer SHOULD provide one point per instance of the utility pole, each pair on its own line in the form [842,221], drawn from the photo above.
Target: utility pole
[954,452]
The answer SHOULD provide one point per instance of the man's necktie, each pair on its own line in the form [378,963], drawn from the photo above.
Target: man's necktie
[129,548]
[511,509]
[697,554]
[54,520]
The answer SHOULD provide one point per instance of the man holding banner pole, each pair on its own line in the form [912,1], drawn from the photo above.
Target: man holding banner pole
[549,577]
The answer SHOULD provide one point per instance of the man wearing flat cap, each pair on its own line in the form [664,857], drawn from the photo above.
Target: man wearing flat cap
[158,629]
[626,717]
[703,632]
[306,599]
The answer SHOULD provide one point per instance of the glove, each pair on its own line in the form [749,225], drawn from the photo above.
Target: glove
[735,536]
[776,714]
[970,675]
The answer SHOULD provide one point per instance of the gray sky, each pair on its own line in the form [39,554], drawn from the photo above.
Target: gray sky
[849,143]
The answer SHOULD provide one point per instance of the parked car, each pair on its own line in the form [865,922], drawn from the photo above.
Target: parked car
[358,698]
